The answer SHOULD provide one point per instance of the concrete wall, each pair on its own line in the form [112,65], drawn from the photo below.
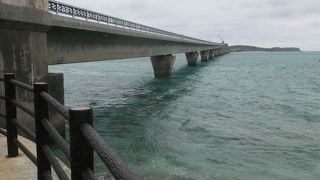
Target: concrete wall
[56,90]
[23,52]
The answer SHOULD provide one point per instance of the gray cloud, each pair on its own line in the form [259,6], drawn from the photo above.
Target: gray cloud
[257,22]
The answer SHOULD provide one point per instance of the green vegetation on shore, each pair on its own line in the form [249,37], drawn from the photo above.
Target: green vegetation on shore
[240,48]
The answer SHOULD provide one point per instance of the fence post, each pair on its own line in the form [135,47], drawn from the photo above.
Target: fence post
[11,113]
[81,151]
[42,137]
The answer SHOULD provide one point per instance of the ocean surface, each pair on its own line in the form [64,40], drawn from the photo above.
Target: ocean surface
[249,115]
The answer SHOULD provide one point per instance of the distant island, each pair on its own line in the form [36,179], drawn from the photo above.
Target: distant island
[240,48]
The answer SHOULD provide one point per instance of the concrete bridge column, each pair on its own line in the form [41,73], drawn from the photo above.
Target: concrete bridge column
[24,52]
[226,49]
[211,55]
[219,52]
[223,51]
[215,53]
[192,58]
[205,55]
[162,65]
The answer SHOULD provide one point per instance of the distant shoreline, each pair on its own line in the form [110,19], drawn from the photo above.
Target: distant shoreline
[242,48]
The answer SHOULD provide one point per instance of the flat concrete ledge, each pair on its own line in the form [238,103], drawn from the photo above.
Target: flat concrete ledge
[20,168]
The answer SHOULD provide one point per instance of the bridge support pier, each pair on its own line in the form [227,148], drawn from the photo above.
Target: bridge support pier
[192,58]
[162,65]
[24,52]
[205,55]
[211,55]
[215,53]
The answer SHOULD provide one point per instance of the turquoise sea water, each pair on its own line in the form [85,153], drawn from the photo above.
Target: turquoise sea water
[242,116]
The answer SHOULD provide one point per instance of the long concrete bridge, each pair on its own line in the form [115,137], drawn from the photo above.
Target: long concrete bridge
[38,33]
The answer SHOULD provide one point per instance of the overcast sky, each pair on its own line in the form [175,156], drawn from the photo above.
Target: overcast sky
[265,23]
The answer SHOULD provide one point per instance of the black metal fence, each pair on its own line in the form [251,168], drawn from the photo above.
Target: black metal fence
[84,140]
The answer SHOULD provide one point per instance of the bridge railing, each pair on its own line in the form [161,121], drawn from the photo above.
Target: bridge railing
[84,139]
[76,12]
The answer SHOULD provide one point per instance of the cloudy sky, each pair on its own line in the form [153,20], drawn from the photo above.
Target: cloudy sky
[265,23]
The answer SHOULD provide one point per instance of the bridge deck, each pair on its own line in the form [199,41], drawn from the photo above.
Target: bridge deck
[19,167]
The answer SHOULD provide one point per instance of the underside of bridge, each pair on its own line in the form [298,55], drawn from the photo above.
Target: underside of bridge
[31,38]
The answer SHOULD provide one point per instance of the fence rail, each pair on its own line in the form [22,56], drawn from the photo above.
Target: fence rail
[76,12]
[28,132]
[84,139]
[56,137]
[25,150]
[23,107]
[2,115]
[22,85]
[64,111]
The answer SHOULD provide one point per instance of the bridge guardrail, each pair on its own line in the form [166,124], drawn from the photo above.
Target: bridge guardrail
[84,139]
[76,12]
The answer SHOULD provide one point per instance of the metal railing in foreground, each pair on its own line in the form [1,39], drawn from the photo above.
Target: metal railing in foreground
[84,140]
[76,12]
